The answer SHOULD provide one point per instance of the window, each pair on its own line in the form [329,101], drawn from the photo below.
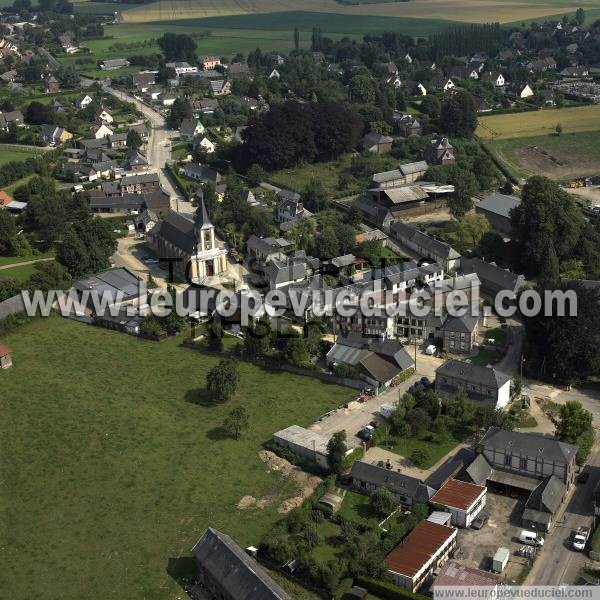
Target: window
[523,464]
[508,460]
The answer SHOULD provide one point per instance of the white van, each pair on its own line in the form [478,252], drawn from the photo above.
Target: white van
[531,538]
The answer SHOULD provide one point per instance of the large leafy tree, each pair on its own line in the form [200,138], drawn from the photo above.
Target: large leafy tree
[336,451]
[458,115]
[222,380]
[546,221]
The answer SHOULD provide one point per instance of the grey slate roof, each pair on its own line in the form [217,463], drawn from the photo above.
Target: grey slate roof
[491,274]
[373,138]
[179,230]
[472,373]
[499,204]
[279,272]
[391,480]
[414,167]
[464,324]
[479,470]
[114,281]
[403,231]
[237,573]
[547,496]
[529,444]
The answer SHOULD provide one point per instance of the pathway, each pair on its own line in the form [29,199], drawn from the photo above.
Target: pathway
[25,263]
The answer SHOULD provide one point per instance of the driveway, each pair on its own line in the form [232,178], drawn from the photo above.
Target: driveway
[357,415]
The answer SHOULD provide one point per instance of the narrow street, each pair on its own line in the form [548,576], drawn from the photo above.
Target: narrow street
[158,150]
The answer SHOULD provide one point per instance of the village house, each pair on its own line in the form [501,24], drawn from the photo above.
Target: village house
[101,131]
[143,80]
[201,141]
[265,250]
[11,118]
[377,143]
[181,68]
[83,100]
[459,334]
[204,106]
[480,384]
[290,207]
[369,478]
[220,87]
[53,135]
[407,125]
[209,62]
[103,116]
[440,151]
[493,278]
[189,129]
[413,562]
[67,44]
[159,202]
[202,173]
[228,572]
[51,85]
[193,242]
[5,357]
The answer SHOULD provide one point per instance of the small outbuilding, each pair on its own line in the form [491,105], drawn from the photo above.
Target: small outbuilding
[464,501]
[5,357]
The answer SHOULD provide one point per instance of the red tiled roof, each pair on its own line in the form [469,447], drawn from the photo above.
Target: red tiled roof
[458,494]
[4,198]
[4,350]
[454,574]
[423,542]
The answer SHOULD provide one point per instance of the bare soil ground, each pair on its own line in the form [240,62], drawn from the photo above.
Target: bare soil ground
[305,482]
[556,164]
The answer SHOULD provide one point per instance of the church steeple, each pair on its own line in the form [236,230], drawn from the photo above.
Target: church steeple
[202,220]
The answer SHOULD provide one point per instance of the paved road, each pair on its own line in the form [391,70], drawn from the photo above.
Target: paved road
[158,150]
[558,563]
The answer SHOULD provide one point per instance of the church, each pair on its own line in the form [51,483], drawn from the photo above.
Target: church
[191,242]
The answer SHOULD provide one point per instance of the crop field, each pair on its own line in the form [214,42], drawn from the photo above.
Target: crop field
[556,157]
[114,460]
[504,11]
[542,122]
[527,143]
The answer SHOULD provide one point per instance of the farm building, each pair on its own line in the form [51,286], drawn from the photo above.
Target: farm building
[453,574]
[493,278]
[496,208]
[464,501]
[5,357]
[412,563]
[226,571]
[304,442]
[370,478]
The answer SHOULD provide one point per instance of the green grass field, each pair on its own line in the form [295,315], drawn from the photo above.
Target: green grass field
[114,460]
[15,260]
[19,273]
[577,154]
[9,153]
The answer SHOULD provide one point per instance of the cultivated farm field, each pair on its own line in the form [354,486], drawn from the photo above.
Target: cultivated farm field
[114,460]
[528,143]
[475,11]
[541,122]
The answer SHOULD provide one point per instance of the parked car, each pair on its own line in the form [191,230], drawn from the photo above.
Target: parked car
[531,538]
[366,433]
[426,382]
[480,521]
[583,476]
[431,350]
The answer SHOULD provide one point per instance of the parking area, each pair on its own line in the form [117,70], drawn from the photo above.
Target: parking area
[358,414]
[477,547]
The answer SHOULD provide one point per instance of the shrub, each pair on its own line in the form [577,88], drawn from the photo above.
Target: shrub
[419,456]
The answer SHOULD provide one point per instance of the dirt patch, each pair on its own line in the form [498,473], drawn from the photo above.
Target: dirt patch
[305,482]
[549,408]
[555,164]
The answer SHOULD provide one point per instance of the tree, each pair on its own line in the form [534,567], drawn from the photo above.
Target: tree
[222,380]
[296,38]
[8,233]
[382,502]
[574,426]
[431,106]
[558,129]
[458,115]
[134,140]
[492,246]
[465,187]
[257,339]
[38,113]
[580,16]
[314,197]
[178,47]
[362,89]
[419,421]
[236,422]
[336,451]
[49,275]
[473,227]
[419,457]
[214,336]
[68,77]
[256,175]
[180,110]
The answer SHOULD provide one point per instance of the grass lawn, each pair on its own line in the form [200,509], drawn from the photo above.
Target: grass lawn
[15,260]
[20,273]
[498,334]
[298,178]
[10,153]
[114,460]
[357,508]
[487,357]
